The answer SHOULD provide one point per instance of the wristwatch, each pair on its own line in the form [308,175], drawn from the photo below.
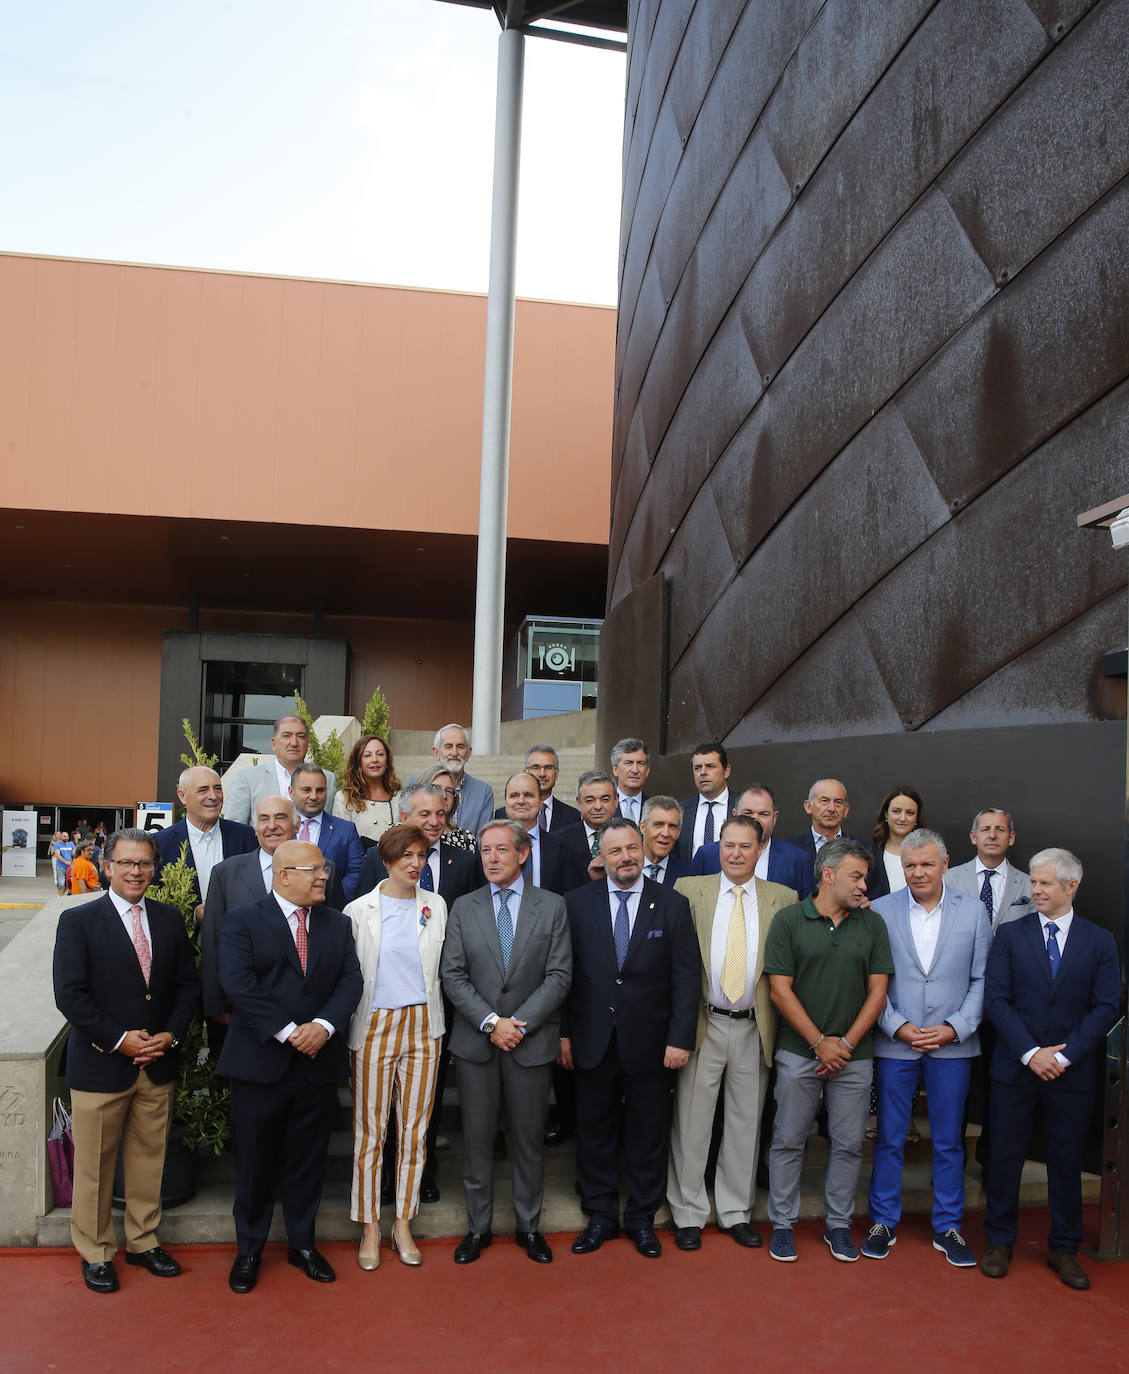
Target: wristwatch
[489,1024]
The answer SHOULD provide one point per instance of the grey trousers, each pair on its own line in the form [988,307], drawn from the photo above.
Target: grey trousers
[798,1090]
[525,1091]
[731,1050]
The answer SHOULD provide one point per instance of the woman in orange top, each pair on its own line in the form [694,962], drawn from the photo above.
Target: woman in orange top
[84,876]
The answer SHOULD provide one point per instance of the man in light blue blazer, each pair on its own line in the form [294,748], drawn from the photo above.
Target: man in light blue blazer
[939,940]
[269,774]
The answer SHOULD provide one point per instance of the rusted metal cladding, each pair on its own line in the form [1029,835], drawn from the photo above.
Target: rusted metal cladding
[872,359]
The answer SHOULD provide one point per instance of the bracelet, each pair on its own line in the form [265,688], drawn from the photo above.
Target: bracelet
[815,1044]
[843,1039]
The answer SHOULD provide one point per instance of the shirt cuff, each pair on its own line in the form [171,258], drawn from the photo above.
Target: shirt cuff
[1062,1059]
[320,1021]
[482,1023]
[1025,1059]
[286,1032]
[119,1044]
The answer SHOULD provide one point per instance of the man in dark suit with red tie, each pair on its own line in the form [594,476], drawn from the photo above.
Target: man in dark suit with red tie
[126,981]
[289,968]
[1052,990]
[630,1018]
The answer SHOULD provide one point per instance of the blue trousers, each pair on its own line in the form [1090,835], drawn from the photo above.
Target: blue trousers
[946,1085]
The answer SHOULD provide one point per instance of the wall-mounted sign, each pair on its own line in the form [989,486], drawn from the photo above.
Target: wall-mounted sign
[154,815]
[19,844]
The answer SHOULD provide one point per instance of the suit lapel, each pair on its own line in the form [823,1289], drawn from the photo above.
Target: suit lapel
[766,909]
[488,926]
[645,918]
[702,909]
[528,914]
[120,940]
[1070,953]
[1033,933]
[948,918]
[904,931]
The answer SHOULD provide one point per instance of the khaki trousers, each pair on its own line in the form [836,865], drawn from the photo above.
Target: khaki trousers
[139,1120]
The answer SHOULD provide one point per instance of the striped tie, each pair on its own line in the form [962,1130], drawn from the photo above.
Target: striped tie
[733,966]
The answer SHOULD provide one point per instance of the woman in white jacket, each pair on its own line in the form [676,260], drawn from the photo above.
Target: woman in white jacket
[395,1036]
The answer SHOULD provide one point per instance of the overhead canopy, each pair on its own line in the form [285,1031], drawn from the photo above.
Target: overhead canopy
[535,16]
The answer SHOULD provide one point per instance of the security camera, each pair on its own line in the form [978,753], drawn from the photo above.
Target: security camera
[1119,530]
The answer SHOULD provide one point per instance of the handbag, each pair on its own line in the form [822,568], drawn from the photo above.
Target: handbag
[60,1154]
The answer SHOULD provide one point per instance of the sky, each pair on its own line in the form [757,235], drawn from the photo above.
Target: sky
[351,139]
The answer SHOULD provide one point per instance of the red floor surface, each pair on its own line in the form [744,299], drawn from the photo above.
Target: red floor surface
[720,1307]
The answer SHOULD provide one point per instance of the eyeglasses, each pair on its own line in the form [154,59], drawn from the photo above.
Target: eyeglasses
[303,868]
[142,867]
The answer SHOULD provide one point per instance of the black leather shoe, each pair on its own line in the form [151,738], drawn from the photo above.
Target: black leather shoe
[157,1261]
[471,1246]
[592,1237]
[244,1273]
[535,1246]
[429,1192]
[1068,1269]
[647,1243]
[688,1238]
[100,1278]
[315,1264]
[556,1134]
[743,1234]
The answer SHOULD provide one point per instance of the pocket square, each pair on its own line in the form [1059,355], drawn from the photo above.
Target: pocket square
[654,934]
[1022,901]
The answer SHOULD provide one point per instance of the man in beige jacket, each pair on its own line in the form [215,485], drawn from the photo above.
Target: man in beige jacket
[732,912]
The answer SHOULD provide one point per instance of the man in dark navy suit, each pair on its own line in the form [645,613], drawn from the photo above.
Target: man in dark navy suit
[125,979]
[580,847]
[779,862]
[1052,990]
[289,968]
[703,814]
[631,767]
[630,1018]
[543,761]
[827,805]
[660,827]
[210,839]
[336,838]
[544,867]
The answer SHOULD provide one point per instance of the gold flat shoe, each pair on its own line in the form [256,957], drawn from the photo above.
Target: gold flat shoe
[407,1256]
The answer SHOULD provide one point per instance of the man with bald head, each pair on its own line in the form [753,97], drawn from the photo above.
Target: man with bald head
[210,839]
[289,968]
[268,775]
[827,805]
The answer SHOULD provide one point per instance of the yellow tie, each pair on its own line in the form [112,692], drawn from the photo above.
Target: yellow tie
[736,950]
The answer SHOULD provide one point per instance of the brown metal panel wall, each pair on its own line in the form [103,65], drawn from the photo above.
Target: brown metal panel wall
[871,360]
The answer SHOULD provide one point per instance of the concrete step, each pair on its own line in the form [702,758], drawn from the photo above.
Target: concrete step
[207,1217]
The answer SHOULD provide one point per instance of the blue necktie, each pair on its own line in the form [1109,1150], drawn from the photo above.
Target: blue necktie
[621,931]
[426,881]
[654,874]
[1054,954]
[505,927]
[707,833]
[986,892]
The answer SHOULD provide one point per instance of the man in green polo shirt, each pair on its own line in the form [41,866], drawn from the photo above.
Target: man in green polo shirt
[828,961]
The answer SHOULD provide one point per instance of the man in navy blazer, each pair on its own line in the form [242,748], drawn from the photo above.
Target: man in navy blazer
[702,815]
[630,1018]
[579,843]
[1052,992]
[336,838]
[631,766]
[125,979]
[543,761]
[210,839]
[779,862]
[289,968]
[827,805]
[939,942]
[660,828]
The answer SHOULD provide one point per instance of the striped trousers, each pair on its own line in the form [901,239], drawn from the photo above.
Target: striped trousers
[398,1062]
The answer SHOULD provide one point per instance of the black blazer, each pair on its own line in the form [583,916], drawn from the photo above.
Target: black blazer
[675,869]
[561,815]
[263,980]
[575,856]
[652,1001]
[1028,1008]
[460,872]
[806,845]
[685,846]
[100,990]
[234,883]
[234,839]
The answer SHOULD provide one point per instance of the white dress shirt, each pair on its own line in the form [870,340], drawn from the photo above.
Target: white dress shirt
[720,806]
[314,823]
[206,847]
[925,927]
[719,939]
[265,865]
[998,879]
[1062,926]
[761,870]
[632,903]
[534,834]
[895,873]
[288,910]
[659,867]
[283,779]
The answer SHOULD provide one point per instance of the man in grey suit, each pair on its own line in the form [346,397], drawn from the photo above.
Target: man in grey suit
[271,776]
[939,941]
[1004,890]
[474,799]
[507,967]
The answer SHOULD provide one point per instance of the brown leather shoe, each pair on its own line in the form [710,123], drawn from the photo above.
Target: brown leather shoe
[1068,1269]
[996,1260]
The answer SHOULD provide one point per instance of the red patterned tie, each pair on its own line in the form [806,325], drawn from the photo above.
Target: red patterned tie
[303,939]
[141,944]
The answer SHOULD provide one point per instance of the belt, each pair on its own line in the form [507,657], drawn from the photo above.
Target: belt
[749,1015]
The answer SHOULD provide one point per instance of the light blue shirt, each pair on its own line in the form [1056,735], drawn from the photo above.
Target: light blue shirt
[517,887]
[207,851]
[633,892]
[399,970]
